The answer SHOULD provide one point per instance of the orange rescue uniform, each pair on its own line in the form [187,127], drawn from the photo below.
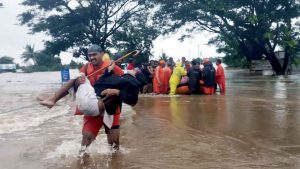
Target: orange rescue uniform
[167,76]
[220,78]
[158,80]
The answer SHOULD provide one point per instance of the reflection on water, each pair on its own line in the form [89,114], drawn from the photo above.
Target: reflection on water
[255,125]
[281,90]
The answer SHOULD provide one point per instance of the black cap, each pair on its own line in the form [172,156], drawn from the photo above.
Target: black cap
[94,49]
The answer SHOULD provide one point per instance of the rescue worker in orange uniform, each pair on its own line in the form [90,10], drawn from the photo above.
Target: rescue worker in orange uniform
[158,78]
[167,76]
[220,76]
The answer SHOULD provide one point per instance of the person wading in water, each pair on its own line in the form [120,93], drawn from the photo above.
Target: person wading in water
[220,77]
[92,124]
[195,75]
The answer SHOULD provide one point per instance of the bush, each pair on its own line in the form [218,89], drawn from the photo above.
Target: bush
[6,60]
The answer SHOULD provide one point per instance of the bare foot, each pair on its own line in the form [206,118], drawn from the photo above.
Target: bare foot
[47,103]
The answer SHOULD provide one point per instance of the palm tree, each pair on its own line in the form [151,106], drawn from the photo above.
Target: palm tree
[29,54]
[164,57]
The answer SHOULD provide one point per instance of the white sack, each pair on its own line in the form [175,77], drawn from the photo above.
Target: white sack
[86,98]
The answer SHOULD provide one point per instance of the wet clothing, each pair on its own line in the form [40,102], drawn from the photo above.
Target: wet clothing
[147,74]
[129,90]
[167,76]
[209,90]
[128,86]
[142,80]
[209,74]
[158,80]
[220,78]
[195,75]
[92,124]
[178,72]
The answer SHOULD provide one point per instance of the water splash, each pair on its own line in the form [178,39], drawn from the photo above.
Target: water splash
[30,117]
[72,148]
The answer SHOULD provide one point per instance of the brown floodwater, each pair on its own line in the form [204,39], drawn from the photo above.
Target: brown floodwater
[255,125]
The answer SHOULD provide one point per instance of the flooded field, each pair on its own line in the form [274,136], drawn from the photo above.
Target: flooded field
[255,125]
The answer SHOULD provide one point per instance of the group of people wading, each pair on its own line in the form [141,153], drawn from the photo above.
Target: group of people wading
[182,77]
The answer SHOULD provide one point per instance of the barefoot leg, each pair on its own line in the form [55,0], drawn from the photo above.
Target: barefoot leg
[60,93]
[113,138]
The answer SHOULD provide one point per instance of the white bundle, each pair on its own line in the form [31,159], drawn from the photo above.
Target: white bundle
[87,102]
[86,98]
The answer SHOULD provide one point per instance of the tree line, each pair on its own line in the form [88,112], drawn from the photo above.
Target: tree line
[245,29]
[41,61]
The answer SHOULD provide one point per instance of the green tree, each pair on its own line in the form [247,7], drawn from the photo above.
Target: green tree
[75,65]
[6,60]
[42,61]
[164,57]
[46,60]
[137,34]
[256,27]
[79,23]
[29,54]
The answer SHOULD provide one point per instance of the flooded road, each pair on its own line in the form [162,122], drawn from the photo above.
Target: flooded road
[255,125]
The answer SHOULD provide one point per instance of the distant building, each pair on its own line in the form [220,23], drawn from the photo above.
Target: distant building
[260,65]
[8,67]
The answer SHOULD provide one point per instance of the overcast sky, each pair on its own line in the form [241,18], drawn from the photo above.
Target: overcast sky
[13,39]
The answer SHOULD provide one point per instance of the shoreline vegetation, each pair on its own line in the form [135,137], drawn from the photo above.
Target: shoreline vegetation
[37,68]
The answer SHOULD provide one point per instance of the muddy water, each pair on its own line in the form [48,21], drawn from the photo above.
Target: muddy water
[255,125]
